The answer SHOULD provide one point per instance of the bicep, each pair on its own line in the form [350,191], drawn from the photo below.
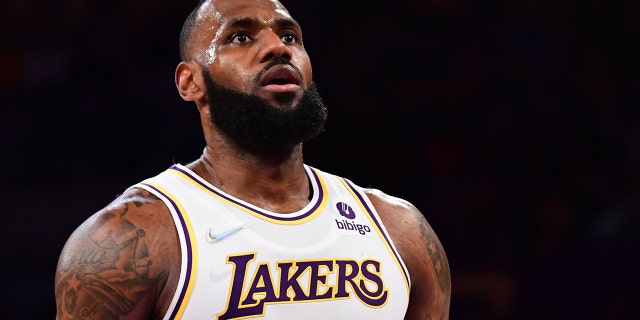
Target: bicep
[431,289]
[106,269]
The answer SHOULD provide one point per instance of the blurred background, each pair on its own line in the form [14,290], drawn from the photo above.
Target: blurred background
[512,125]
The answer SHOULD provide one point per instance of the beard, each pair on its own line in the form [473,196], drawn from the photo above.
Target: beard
[250,121]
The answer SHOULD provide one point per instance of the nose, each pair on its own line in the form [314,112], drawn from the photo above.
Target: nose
[272,47]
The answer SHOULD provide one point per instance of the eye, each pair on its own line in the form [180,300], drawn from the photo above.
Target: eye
[240,37]
[289,38]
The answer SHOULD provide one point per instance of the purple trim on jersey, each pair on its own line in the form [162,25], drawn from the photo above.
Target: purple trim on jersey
[378,224]
[189,250]
[258,211]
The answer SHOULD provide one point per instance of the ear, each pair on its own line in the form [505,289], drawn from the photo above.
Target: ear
[187,82]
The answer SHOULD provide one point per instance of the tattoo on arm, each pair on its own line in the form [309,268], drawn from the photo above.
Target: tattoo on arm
[440,264]
[109,273]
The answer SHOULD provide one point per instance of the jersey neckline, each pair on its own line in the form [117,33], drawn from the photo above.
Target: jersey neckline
[317,201]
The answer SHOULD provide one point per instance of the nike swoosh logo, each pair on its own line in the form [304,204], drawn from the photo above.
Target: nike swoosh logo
[214,238]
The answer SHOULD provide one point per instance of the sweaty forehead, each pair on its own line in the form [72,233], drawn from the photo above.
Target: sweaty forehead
[221,11]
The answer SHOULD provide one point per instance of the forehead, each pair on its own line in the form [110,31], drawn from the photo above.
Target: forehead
[221,12]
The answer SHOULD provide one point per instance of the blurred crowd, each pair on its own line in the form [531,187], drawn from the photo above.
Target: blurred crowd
[512,125]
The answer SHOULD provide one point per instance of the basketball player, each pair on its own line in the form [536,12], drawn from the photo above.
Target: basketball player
[249,230]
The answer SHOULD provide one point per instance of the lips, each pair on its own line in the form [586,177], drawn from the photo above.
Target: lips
[280,75]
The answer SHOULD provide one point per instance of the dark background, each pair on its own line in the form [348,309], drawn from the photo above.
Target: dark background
[512,125]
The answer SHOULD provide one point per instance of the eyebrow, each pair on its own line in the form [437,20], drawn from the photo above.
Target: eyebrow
[248,22]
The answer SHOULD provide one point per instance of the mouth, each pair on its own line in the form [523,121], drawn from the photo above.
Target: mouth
[281,78]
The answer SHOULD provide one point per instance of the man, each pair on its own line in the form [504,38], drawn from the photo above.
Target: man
[248,230]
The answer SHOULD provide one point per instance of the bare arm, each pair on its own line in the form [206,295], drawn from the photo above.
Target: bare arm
[117,264]
[422,253]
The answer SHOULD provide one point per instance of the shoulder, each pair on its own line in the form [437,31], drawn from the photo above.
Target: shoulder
[133,215]
[422,253]
[385,202]
[406,225]
[120,260]
[404,222]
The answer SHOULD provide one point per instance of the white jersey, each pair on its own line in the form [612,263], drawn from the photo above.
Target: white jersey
[333,259]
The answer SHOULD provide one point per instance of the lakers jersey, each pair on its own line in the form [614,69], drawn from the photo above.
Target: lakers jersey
[331,260]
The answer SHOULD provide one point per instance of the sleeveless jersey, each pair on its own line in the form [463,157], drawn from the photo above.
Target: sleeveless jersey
[331,260]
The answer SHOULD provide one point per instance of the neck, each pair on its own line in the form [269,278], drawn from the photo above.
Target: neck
[273,179]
